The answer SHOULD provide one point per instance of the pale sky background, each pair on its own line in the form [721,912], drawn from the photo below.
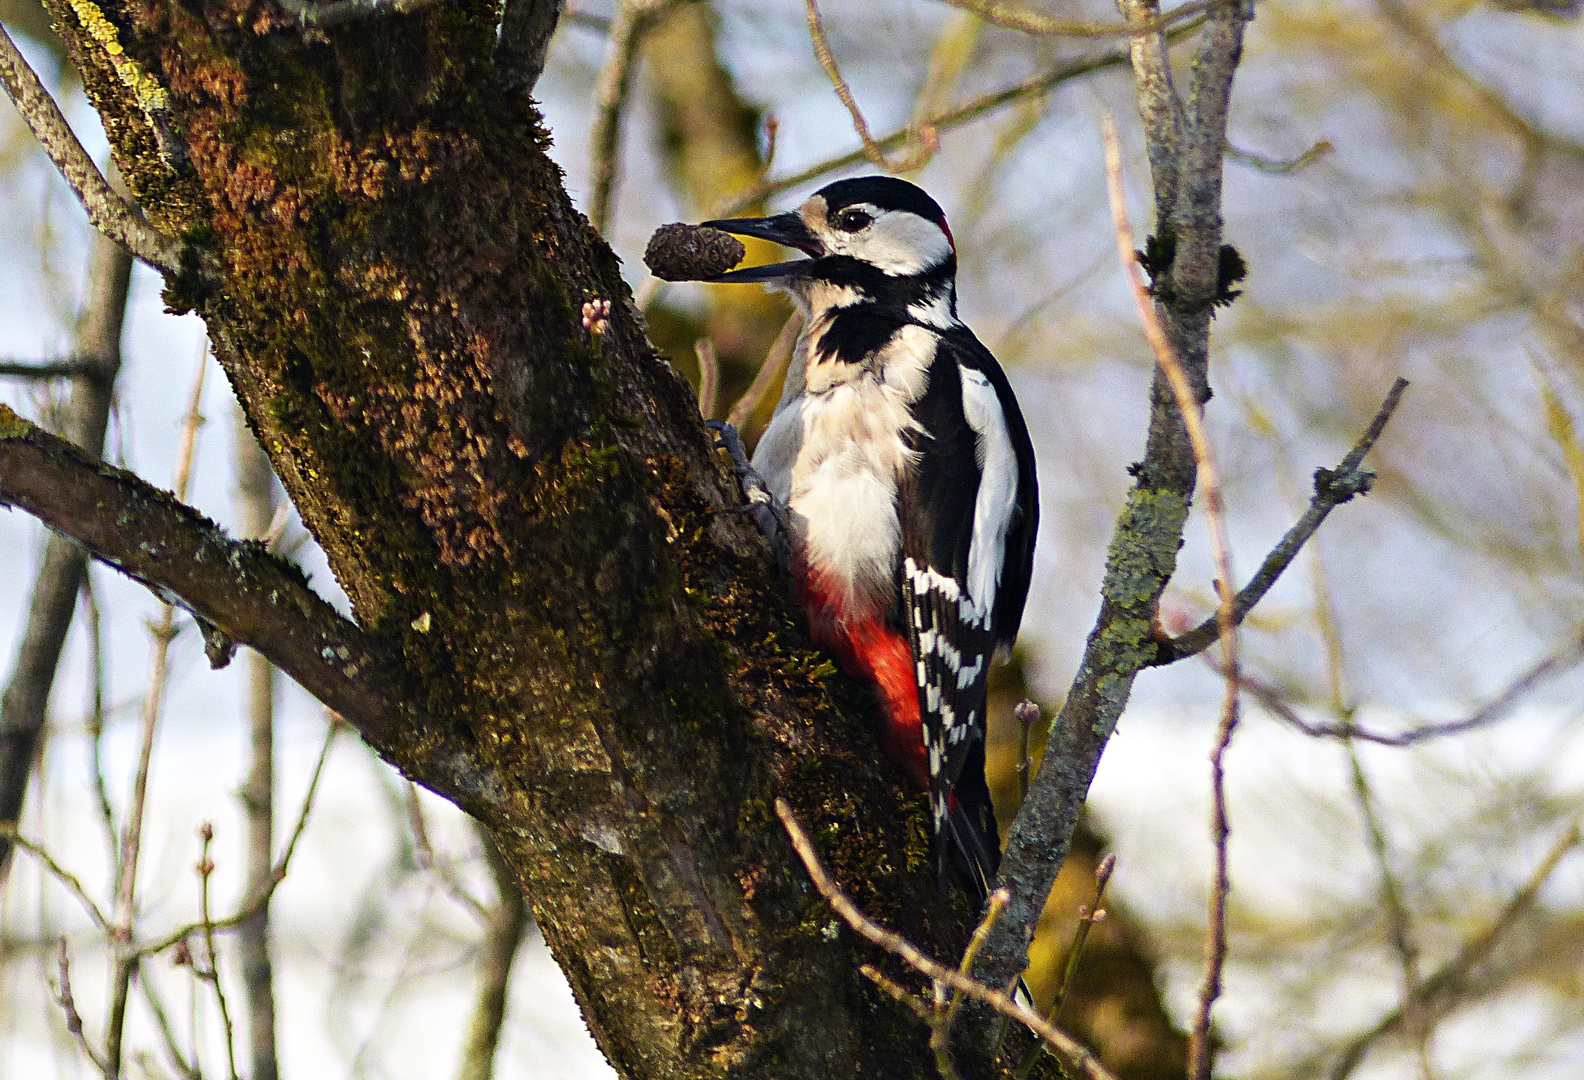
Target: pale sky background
[1290,850]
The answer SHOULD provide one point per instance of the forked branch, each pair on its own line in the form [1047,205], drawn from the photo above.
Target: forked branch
[1069,1050]
[249,596]
[1333,487]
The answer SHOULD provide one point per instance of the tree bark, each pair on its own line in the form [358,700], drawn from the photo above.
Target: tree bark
[590,655]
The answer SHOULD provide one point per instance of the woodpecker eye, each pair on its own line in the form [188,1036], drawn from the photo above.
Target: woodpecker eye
[853,220]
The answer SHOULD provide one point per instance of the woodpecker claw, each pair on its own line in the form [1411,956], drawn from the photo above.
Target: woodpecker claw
[768,513]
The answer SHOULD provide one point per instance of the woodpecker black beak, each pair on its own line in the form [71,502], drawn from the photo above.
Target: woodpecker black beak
[788,230]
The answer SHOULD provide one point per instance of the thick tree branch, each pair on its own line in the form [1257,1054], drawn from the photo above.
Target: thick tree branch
[107,211]
[250,596]
[1333,487]
[317,16]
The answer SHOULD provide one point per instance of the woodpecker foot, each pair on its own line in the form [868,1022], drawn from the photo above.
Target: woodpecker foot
[768,512]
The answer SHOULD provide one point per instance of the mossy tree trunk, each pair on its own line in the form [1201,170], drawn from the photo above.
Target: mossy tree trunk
[520,501]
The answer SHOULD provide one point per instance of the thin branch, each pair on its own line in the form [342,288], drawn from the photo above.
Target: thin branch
[1069,1050]
[1399,921]
[775,363]
[971,109]
[1439,990]
[1027,714]
[1333,487]
[252,597]
[212,974]
[428,861]
[1192,413]
[163,1025]
[924,134]
[94,630]
[1280,167]
[107,211]
[74,885]
[1087,917]
[944,1015]
[1564,660]
[1014,17]
[316,16]
[163,633]
[634,19]
[63,997]
[251,905]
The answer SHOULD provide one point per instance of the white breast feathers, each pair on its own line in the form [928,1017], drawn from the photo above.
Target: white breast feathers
[835,454]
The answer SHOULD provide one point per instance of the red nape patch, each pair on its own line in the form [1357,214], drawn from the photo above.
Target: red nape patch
[945,228]
[869,649]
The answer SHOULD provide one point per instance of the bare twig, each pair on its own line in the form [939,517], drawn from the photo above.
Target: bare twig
[211,975]
[1399,922]
[251,904]
[1014,17]
[1027,714]
[1281,168]
[1333,487]
[430,862]
[163,1025]
[709,376]
[634,19]
[1272,700]
[107,211]
[163,633]
[923,134]
[94,629]
[1441,988]
[775,363]
[74,885]
[63,997]
[1087,917]
[1068,1049]
[944,1015]
[971,109]
[1192,412]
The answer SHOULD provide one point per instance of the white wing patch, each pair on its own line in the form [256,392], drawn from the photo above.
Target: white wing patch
[998,479]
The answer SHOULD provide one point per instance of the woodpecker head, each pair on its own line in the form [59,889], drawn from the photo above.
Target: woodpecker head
[873,238]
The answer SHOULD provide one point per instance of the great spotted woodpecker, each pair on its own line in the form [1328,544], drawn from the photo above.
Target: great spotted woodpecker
[906,468]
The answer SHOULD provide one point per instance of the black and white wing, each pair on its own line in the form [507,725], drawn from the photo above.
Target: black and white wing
[969,515]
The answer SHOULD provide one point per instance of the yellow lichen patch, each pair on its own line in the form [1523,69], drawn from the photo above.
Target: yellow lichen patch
[13,426]
[146,90]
